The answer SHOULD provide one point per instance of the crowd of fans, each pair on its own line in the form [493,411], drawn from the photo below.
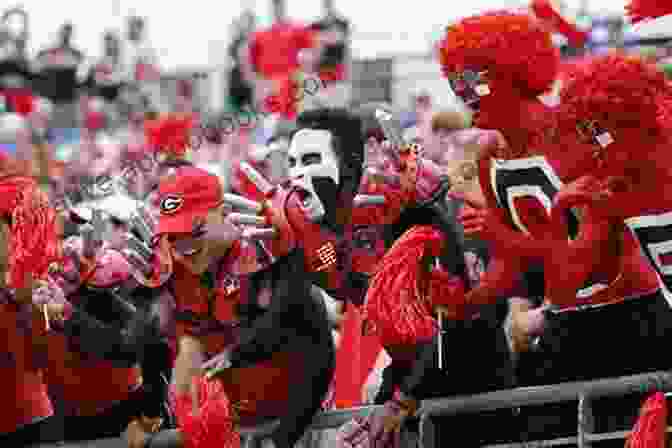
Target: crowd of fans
[183,294]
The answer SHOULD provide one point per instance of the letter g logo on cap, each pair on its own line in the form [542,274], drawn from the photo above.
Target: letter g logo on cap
[171,204]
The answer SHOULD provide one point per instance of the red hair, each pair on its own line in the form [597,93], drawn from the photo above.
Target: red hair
[34,244]
[619,91]
[638,10]
[170,135]
[515,48]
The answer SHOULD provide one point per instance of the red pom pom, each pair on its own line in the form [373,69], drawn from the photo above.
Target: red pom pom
[516,50]
[170,135]
[639,10]
[212,426]
[394,306]
[651,428]
[34,244]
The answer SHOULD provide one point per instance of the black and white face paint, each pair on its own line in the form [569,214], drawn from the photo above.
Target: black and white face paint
[314,166]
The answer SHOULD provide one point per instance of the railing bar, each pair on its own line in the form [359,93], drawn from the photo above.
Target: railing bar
[334,419]
[615,435]
[530,396]
[537,443]
[586,423]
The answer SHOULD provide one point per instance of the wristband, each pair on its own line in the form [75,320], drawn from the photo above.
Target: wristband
[410,405]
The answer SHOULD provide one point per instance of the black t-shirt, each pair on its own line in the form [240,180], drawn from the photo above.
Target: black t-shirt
[58,74]
[14,69]
[105,80]
[14,74]
[335,54]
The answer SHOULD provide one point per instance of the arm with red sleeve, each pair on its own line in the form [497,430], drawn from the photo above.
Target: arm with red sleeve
[293,313]
[388,213]
[511,251]
[570,263]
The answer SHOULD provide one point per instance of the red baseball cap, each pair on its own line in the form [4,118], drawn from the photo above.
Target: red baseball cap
[185,196]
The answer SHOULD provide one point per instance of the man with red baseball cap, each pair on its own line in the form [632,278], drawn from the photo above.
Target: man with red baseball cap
[192,239]
[187,196]
[273,334]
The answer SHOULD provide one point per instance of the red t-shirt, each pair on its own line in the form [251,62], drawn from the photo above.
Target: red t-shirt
[21,382]
[88,386]
[274,52]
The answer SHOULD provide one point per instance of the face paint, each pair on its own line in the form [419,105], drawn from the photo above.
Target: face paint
[314,166]
[470,85]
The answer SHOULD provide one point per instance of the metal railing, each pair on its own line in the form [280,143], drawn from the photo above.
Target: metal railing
[584,392]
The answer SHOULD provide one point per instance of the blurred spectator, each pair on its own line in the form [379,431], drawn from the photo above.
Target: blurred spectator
[58,66]
[327,61]
[420,109]
[276,157]
[274,52]
[142,66]
[15,73]
[58,69]
[240,79]
[104,83]
[334,37]
[442,146]
[106,76]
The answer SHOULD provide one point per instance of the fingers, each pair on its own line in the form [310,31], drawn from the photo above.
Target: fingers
[492,139]
[240,202]
[244,219]
[470,198]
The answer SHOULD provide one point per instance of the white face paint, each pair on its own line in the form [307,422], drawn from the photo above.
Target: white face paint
[311,155]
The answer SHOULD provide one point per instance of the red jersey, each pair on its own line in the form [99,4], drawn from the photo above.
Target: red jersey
[274,52]
[86,386]
[521,192]
[21,379]
[648,218]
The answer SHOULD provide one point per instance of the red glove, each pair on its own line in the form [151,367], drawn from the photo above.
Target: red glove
[569,264]
[486,224]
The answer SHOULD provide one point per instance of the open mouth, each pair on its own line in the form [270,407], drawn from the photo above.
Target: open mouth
[191,252]
[188,248]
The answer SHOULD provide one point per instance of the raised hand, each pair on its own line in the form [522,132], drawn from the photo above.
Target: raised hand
[473,216]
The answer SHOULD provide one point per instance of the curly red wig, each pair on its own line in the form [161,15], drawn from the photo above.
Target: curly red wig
[514,48]
[620,92]
[638,10]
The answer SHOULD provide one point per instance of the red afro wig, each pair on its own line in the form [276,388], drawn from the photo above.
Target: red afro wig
[619,92]
[638,10]
[516,49]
